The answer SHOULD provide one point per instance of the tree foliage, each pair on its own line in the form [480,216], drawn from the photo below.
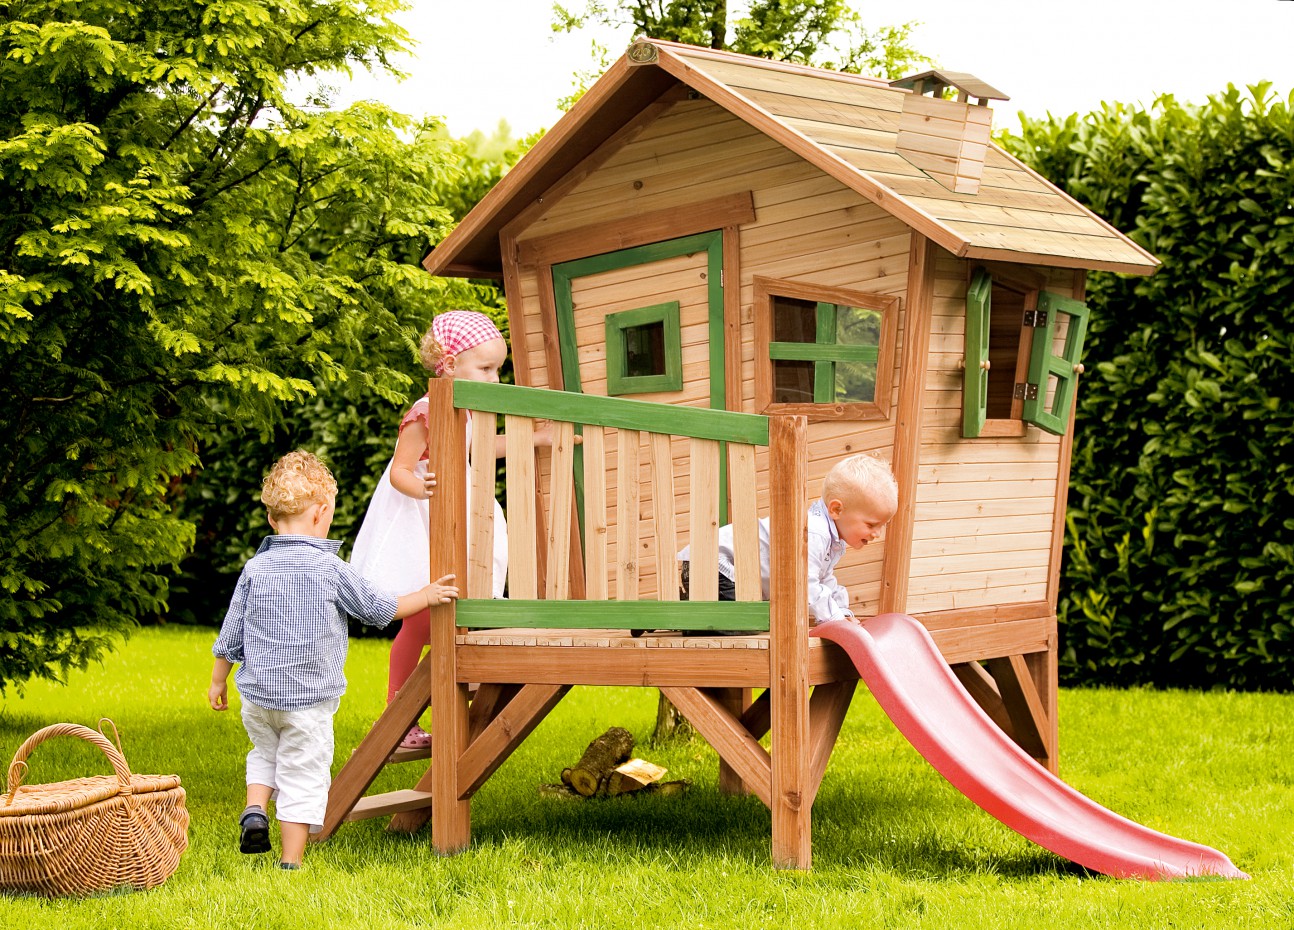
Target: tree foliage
[825,33]
[344,422]
[1180,556]
[183,253]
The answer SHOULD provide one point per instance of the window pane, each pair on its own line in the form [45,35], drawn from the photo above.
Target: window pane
[1004,350]
[858,327]
[645,349]
[794,320]
[792,382]
[855,382]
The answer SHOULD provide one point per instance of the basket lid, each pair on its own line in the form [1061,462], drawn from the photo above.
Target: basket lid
[77,793]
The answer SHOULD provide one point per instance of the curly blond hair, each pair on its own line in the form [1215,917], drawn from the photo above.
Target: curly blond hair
[295,482]
[430,351]
[862,476]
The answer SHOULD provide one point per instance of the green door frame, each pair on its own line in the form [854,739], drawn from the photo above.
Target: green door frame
[565,273]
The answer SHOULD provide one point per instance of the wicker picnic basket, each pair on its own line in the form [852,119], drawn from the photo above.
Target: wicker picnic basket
[89,834]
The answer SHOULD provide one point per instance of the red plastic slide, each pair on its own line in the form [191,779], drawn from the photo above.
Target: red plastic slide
[909,678]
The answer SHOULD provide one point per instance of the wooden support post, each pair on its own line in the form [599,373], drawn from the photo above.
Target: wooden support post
[1024,706]
[729,738]
[1042,668]
[980,685]
[918,314]
[789,643]
[451,827]
[735,701]
[827,709]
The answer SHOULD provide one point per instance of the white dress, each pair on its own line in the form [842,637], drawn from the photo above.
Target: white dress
[393,550]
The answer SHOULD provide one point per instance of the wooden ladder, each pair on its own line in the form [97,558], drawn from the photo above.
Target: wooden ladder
[346,799]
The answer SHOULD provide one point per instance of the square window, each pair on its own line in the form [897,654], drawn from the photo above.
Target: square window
[644,353]
[829,350]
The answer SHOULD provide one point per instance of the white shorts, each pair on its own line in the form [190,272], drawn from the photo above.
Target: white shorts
[292,753]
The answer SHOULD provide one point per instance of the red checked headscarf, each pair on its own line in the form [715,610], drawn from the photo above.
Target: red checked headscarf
[459,330]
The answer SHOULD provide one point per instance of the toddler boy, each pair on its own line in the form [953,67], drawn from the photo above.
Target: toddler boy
[286,631]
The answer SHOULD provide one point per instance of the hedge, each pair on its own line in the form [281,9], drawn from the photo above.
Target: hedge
[1180,544]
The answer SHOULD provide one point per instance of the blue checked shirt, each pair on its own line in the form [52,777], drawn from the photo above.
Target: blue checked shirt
[286,625]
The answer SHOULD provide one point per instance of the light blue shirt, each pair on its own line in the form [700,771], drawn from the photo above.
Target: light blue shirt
[827,599]
[286,624]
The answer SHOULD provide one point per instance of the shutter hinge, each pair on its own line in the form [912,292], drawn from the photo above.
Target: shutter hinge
[1035,318]
[1025,391]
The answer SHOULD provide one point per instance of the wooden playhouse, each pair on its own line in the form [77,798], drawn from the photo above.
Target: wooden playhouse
[801,264]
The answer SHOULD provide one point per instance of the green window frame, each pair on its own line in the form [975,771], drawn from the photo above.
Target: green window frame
[1044,364]
[621,330]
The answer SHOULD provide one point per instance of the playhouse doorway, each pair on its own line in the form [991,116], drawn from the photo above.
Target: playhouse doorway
[646,323]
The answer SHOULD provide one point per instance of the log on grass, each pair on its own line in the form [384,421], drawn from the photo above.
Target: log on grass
[558,791]
[633,775]
[599,760]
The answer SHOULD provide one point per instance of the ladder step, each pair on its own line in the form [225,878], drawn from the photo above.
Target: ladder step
[392,802]
[409,755]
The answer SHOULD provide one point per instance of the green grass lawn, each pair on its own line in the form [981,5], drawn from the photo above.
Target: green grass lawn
[894,845]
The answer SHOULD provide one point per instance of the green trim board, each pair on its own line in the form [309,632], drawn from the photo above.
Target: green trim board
[615,412]
[619,329]
[503,613]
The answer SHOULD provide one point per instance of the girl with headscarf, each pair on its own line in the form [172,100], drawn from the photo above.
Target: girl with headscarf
[392,548]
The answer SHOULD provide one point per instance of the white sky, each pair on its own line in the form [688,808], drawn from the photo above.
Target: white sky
[479,61]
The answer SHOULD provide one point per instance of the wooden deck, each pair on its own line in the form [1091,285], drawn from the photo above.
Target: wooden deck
[614,657]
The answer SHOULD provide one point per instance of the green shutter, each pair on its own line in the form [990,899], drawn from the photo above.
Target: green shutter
[975,376]
[1064,367]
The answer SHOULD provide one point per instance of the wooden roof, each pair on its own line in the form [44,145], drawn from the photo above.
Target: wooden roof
[844,124]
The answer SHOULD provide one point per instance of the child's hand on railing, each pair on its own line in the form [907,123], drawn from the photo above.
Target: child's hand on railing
[544,436]
[441,591]
[429,484]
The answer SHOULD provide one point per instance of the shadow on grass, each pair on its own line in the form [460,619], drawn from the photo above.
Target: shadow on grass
[880,825]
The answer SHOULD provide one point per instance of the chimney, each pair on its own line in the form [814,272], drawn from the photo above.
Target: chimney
[947,139]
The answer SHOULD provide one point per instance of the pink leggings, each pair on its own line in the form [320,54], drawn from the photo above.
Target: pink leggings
[406,650]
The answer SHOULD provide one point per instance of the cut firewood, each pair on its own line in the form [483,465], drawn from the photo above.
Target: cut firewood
[633,775]
[668,789]
[599,760]
[558,791]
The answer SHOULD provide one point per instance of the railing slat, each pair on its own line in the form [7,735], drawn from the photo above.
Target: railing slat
[523,570]
[627,501]
[481,529]
[745,521]
[557,579]
[704,529]
[661,449]
[595,514]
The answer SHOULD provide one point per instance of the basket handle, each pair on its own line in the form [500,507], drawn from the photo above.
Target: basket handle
[18,767]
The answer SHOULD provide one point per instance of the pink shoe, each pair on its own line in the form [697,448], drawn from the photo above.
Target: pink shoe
[416,738]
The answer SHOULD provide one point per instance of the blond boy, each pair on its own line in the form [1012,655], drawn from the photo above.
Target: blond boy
[859,497]
[286,631]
